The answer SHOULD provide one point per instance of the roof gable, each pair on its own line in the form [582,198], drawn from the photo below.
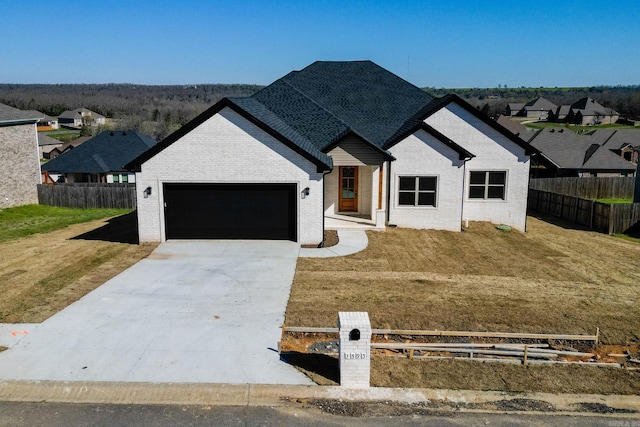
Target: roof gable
[312,109]
[540,104]
[590,107]
[257,114]
[440,103]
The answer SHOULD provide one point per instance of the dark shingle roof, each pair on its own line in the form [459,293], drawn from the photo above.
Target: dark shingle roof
[77,113]
[106,152]
[294,134]
[371,101]
[9,115]
[540,104]
[569,150]
[515,127]
[590,107]
[47,140]
[619,138]
[312,109]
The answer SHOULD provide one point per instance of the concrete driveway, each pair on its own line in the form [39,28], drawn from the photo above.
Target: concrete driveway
[194,311]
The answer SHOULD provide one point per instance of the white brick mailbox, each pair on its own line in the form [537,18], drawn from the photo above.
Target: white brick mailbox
[355,348]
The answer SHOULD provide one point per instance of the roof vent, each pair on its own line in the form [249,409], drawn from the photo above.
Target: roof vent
[111,133]
[552,130]
[124,133]
[560,130]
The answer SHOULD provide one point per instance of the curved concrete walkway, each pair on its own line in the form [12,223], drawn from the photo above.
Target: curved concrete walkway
[349,242]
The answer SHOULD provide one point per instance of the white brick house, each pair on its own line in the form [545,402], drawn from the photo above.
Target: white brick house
[344,138]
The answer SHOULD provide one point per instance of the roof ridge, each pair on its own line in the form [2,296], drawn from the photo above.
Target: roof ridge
[316,104]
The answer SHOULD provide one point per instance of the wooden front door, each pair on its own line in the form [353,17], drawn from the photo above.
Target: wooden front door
[348,194]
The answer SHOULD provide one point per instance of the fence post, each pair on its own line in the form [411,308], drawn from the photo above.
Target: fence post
[611,222]
[636,188]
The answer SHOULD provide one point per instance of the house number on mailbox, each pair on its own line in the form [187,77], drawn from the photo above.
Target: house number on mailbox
[355,356]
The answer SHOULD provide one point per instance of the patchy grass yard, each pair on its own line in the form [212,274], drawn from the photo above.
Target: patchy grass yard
[44,272]
[548,280]
[22,221]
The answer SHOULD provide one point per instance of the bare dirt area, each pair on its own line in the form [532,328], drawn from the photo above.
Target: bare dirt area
[551,280]
[43,273]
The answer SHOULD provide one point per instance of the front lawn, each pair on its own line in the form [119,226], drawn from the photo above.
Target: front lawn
[549,280]
[22,221]
[54,264]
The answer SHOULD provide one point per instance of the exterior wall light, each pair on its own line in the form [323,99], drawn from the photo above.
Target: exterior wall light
[305,192]
[147,192]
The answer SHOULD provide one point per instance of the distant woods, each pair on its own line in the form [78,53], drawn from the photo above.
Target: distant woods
[152,110]
[159,110]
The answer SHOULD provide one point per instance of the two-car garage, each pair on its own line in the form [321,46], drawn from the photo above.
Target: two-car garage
[230,211]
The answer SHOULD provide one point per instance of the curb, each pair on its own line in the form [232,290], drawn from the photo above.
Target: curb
[281,395]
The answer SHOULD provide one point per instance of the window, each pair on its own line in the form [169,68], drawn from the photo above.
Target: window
[487,184]
[417,190]
[125,178]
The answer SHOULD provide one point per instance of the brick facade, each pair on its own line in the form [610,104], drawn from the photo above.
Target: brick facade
[227,148]
[19,165]
[494,152]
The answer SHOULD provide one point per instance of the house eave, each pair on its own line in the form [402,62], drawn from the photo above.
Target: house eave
[440,103]
[136,164]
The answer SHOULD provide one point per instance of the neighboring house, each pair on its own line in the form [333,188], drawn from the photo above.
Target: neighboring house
[49,148]
[624,142]
[513,108]
[100,159]
[80,117]
[46,123]
[19,159]
[587,111]
[537,109]
[559,114]
[564,153]
[345,138]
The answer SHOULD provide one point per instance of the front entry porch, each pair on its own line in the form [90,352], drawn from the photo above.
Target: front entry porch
[354,191]
[354,198]
[349,222]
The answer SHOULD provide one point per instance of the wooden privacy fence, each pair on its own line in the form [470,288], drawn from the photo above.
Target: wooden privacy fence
[603,217]
[88,195]
[587,188]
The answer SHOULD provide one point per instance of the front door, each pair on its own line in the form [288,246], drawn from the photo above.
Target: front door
[348,195]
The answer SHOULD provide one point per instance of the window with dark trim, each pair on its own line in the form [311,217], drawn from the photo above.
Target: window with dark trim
[417,190]
[487,184]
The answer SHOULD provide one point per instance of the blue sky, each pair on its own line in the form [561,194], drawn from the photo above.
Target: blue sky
[449,43]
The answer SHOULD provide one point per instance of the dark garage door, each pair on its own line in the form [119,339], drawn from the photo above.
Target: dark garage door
[230,211]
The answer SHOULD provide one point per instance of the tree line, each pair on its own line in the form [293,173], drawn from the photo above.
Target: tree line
[152,110]
[159,110]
